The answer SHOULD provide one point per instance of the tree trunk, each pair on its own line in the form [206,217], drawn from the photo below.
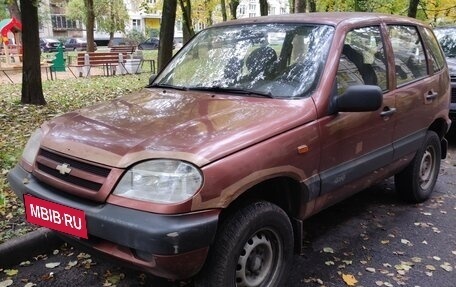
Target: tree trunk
[291,3]
[13,9]
[300,6]
[233,7]
[223,6]
[187,27]
[413,8]
[209,21]
[264,8]
[165,49]
[90,25]
[32,89]
[312,6]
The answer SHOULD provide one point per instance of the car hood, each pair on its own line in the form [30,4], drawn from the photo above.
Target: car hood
[156,123]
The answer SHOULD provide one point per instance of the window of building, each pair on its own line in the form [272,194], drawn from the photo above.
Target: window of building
[136,24]
[241,9]
[60,22]
[252,15]
[272,10]
[252,7]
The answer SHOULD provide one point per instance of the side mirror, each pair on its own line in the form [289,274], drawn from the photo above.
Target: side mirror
[360,98]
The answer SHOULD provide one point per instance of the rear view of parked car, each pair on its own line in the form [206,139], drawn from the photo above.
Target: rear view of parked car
[254,125]
[149,44]
[50,45]
[447,39]
[77,44]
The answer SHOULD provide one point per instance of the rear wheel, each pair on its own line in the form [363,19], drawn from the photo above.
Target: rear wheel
[254,247]
[416,182]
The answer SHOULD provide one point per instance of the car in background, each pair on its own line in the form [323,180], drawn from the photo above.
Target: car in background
[50,45]
[149,44]
[119,41]
[77,44]
[447,39]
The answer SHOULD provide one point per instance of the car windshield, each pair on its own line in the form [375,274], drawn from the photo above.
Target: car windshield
[447,39]
[275,60]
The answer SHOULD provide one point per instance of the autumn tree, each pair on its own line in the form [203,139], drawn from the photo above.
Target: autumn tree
[110,15]
[223,8]
[233,8]
[187,26]
[32,90]
[299,6]
[264,7]
[165,49]
[413,8]
[13,9]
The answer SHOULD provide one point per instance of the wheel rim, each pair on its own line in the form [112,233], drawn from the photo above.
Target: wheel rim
[259,260]
[427,168]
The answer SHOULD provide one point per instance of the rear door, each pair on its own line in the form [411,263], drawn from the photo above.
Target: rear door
[416,90]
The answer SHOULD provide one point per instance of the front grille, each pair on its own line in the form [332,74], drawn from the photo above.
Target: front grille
[453,78]
[453,95]
[83,176]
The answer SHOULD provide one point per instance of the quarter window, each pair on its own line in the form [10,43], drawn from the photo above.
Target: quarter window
[409,57]
[437,56]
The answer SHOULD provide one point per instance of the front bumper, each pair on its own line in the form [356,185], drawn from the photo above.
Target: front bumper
[138,237]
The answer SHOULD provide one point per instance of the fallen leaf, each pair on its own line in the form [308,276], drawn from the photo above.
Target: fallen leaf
[417,259]
[454,252]
[436,258]
[29,284]
[6,283]
[71,264]
[52,265]
[11,272]
[447,267]
[25,263]
[349,279]
[328,250]
[370,269]
[329,263]
[430,267]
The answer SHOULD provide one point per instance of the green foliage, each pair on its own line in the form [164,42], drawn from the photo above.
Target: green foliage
[151,32]
[3,12]
[110,15]
[135,36]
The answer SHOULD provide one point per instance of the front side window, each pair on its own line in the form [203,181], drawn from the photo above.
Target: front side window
[362,60]
[278,60]
[409,56]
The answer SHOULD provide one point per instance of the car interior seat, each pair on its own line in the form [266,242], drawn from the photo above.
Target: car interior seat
[261,61]
[366,70]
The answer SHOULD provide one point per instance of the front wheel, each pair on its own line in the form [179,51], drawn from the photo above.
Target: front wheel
[253,247]
[416,182]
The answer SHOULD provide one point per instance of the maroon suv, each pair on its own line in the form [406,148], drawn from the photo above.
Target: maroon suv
[254,126]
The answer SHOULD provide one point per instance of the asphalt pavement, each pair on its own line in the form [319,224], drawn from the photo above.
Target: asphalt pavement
[371,239]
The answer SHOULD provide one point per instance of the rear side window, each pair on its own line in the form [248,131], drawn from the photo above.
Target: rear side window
[362,60]
[409,56]
[436,54]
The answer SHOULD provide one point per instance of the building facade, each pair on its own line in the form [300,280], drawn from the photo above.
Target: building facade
[143,17]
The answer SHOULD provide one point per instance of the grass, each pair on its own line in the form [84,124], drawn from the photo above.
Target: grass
[19,121]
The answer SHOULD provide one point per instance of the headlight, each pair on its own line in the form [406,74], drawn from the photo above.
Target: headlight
[32,146]
[161,181]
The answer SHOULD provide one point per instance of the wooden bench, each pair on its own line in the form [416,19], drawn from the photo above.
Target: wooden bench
[109,61]
[123,49]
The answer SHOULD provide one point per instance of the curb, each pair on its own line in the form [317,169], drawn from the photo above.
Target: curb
[23,248]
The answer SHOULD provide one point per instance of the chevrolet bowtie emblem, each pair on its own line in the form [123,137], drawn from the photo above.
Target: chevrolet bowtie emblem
[63,168]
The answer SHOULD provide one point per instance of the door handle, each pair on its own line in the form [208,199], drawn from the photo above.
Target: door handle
[387,112]
[431,95]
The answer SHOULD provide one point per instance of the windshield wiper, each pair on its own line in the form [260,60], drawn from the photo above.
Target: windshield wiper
[232,90]
[167,86]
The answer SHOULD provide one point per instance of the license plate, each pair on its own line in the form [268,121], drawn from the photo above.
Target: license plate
[55,216]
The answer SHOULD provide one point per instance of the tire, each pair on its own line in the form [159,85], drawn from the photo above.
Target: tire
[253,247]
[416,182]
